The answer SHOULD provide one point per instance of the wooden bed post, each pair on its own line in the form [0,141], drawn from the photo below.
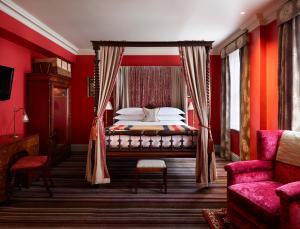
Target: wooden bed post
[208,86]
[96,78]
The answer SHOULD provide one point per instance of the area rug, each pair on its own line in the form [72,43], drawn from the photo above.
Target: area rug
[217,218]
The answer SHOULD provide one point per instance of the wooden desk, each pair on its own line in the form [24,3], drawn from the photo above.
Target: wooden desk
[10,146]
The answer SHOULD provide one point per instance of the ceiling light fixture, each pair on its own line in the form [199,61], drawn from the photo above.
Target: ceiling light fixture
[242,13]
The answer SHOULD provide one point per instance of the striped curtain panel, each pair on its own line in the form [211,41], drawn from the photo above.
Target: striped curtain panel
[244,104]
[225,109]
[289,73]
[96,169]
[241,44]
[194,60]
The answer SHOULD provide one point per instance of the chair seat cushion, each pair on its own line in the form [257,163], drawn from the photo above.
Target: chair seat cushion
[29,162]
[151,164]
[257,197]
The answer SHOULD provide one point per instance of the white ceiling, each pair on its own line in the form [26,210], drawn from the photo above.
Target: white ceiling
[80,21]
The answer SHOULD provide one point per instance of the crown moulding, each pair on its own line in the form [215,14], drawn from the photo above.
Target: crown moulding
[21,15]
[257,20]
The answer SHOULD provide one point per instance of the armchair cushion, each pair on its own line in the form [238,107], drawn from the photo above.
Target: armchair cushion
[290,191]
[248,166]
[259,198]
[29,162]
[248,171]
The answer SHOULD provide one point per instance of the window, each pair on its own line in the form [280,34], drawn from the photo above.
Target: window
[234,68]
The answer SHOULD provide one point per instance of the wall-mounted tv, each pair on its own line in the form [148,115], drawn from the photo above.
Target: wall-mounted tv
[6,80]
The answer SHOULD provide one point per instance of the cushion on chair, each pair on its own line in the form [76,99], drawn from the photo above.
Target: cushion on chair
[259,198]
[29,162]
[151,164]
[287,165]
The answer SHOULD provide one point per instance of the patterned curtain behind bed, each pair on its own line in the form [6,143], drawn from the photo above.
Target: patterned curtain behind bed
[160,86]
[150,85]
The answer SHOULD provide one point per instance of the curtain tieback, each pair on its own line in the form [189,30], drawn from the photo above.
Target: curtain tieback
[94,132]
[207,127]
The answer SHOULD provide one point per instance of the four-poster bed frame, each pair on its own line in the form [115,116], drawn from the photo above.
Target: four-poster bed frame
[140,151]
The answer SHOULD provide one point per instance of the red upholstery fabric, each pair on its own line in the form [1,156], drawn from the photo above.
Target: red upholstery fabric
[29,162]
[259,198]
[249,177]
[248,166]
[248,171]
[267,144]
[289,191]
[252,187]
[286,173]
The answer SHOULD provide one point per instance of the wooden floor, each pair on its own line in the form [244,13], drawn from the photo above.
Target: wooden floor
[77,205]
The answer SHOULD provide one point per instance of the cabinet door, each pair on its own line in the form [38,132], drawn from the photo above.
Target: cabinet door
[60,125]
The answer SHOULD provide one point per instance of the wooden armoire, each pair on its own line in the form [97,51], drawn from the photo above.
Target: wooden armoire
[48,109]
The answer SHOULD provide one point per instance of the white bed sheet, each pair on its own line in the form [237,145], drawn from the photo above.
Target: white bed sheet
[141,123]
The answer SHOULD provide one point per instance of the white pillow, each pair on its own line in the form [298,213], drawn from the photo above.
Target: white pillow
[131,111]
[169,111]
[150,115]
[170,117]
[130,117]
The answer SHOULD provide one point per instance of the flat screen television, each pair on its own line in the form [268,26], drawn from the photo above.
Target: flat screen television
[6,80]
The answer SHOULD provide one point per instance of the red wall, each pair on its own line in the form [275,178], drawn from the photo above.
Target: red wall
[18,46]
[235,141]
[82,106]
[15,31]
[18,57]
[263,81]
[215,73]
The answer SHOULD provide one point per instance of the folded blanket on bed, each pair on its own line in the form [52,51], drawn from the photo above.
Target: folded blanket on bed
[165,128]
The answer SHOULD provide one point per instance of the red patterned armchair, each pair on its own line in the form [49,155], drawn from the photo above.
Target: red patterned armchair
[265,193]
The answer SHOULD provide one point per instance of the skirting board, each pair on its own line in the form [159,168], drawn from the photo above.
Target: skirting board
[84,148]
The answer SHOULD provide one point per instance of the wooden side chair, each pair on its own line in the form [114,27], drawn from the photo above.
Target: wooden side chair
[37,165]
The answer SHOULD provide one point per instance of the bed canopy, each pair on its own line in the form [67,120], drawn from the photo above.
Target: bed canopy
[195,62]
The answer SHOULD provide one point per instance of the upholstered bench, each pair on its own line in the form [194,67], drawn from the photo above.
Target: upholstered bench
[151,166]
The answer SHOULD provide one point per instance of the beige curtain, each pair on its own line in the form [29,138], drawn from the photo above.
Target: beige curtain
[225,109]
[178,89]
[122,89]
[244,104]
[194,60]
[96,169]
[289,74]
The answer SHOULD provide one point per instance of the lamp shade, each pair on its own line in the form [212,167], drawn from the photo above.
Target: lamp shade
[109,106]
[191,106]
[25,117]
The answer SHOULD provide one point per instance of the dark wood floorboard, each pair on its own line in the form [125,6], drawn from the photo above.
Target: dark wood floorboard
[77,205]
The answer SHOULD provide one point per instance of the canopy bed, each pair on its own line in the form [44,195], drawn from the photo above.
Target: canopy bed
[152,138]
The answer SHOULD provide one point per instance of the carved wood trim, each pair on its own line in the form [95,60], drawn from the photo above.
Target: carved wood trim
[97,44]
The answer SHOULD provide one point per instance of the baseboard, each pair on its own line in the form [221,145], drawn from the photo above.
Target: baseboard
[79,147]
[234,157]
